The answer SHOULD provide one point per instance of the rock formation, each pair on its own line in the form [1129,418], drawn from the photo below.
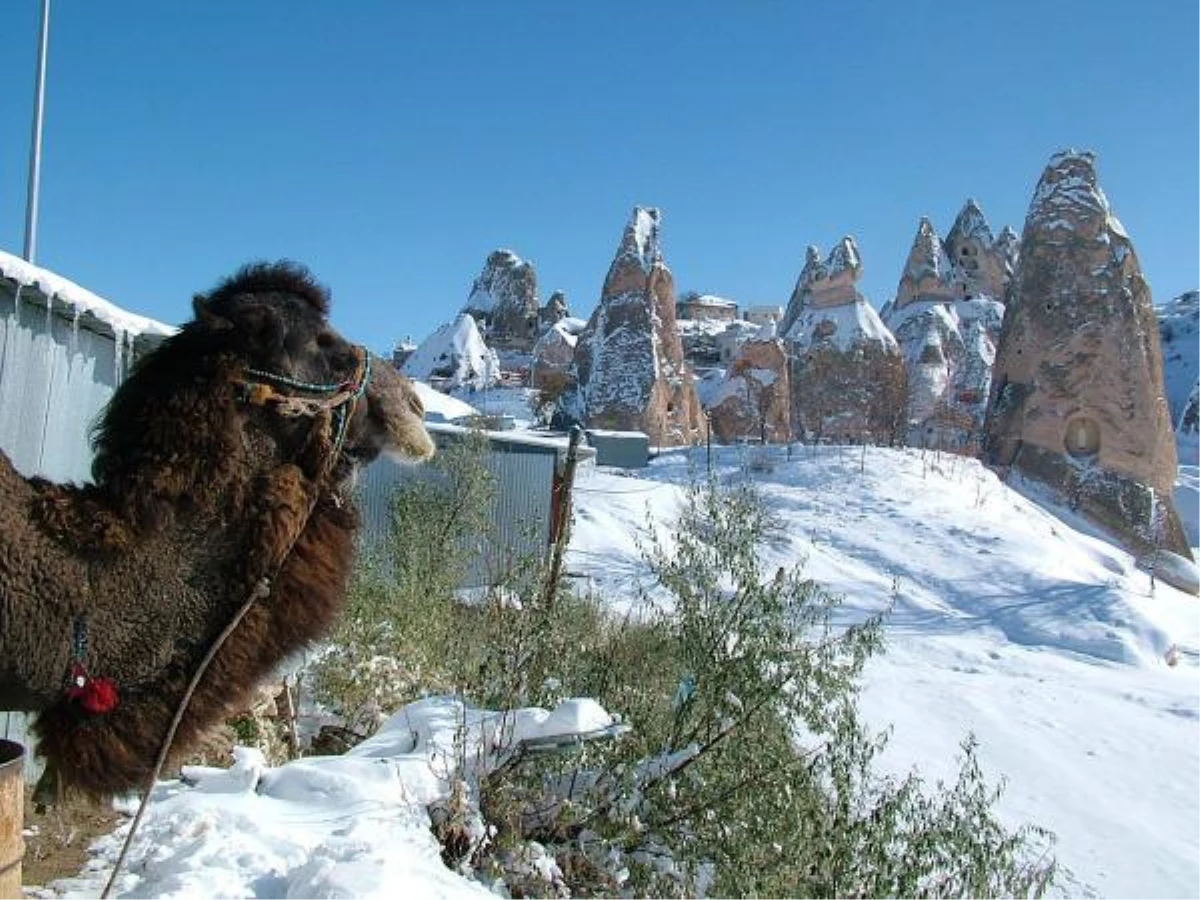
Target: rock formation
[1187,429]
[554,310]
[1077,400]
[553,354]
[928,274]
[948,351]
[1178,327]
[847,373]
[946,316]
[754,400]
[824,284]
[504,301]
[629,371]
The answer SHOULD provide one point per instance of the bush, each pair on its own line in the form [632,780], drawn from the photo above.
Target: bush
[747,772]
[396,639]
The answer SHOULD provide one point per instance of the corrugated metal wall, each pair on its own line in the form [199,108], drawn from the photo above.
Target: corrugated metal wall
[57,372]
[520,517]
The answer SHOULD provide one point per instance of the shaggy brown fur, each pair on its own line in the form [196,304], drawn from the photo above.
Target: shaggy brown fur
[196,496]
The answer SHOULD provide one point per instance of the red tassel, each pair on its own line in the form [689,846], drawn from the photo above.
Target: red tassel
[97,696]
[100,696]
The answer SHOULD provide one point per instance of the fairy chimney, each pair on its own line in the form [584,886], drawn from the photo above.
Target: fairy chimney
[847,376]
[1077,400]
[629,368]
[504,301]
[982,262]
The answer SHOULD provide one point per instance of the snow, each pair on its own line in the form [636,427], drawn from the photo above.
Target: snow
[326,826]
[457,353]
[1009,619]
[853,324]
[80,300]
[441,406]
[645,234]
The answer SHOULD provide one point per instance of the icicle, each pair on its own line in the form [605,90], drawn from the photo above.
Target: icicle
[73,341]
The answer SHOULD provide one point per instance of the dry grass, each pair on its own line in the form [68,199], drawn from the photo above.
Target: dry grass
[57,839]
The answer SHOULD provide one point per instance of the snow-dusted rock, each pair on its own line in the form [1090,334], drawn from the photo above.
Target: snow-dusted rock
[928,273]
[1178,327]
[1078,399]
[555,310]
[983,263]
[629,371]
[848,379]
[946,316]
[754,399]
[555,350]
[948,351]
[504,300]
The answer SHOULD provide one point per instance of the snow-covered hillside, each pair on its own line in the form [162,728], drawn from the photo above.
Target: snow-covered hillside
[1008,621]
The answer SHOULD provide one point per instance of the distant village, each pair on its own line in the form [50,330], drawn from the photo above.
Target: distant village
[1041,353]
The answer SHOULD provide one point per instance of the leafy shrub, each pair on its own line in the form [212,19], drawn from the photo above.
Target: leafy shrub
[747,770]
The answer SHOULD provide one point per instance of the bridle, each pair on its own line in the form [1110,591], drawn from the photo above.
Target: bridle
[273,389]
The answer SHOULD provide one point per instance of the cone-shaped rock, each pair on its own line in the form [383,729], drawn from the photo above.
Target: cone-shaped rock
[504,301]
[1077,400]
[928,274]
[629,370]
[555,309]
[847,373]
[982,262]
[947,322]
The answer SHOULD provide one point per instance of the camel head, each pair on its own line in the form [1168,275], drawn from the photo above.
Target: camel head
[275,316]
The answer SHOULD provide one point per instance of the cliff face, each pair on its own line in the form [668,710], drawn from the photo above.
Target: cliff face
[1077,399]
[629,371]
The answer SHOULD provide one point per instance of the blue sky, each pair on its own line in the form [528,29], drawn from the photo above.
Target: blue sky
[391,146]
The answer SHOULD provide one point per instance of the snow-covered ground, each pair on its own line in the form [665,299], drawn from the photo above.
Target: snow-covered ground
[1007,621]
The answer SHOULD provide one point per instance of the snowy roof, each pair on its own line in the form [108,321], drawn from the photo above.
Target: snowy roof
[79,299]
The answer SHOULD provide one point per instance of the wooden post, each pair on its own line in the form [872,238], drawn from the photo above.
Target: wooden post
[12,817]
[563,517]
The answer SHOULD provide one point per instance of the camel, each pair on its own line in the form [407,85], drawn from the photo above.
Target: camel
[222,470]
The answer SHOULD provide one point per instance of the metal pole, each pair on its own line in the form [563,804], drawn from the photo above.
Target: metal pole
[35,150]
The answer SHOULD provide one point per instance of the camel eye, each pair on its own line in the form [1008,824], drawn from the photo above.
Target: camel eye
[325,340]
